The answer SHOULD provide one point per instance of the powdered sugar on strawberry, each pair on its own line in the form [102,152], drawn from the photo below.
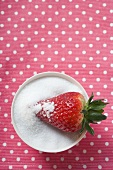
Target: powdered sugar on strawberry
[46,108]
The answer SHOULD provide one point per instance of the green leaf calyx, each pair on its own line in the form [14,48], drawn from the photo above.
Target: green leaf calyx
[92,111]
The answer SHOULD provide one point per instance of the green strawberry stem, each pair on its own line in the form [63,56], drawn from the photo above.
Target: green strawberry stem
[93,113]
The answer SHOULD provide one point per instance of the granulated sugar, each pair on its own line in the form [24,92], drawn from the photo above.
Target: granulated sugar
[34,131]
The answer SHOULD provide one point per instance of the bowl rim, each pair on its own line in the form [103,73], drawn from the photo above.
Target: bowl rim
[33,78]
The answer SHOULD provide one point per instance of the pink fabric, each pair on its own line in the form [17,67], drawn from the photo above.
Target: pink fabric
[75,37]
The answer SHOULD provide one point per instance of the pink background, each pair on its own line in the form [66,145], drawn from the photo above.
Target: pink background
[73,37]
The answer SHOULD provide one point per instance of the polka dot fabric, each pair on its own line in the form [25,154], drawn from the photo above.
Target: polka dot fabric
[72,37]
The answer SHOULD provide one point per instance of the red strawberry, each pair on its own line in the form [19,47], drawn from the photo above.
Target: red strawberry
[69,111]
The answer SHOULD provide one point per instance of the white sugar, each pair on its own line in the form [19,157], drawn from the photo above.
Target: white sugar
[34,131]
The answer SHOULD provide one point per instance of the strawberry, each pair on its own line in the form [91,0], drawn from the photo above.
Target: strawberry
[69,112]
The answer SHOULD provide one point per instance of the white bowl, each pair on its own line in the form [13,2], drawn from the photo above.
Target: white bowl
[35,133]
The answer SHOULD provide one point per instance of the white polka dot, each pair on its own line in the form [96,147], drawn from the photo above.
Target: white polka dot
[50,6]
[106,128]
[90,32]
[104,31]
[84,166]
[42,52]
[14,52]
[47,159]
[76,58]
[21,45]
[99,166]
[104,17]
[76,6]
[97,11]
[111,51]
[28,52]
[83,52]
[99,151]
[106,159]
[56,65]
[18,159]
[25,166]
[41,66]
[111,11]
[106,143]
[26,151]
[69,151]
[56,13]
[76,72]
[35,45]
[28,66]
[83,65]
[35,59]
[1,38]
[63,19]
[11,151]
[99,136]
[91,143]
[91,158]
[104,4]
[97,38]
[49,19]
[62,159]
[97,65]
[63,32]
[105,86]
[23,6]
[42,39]
[2,12]
[21,59]
[84,39]
[70,38]
[104,45]
[91,58]
[90,5]
[56,52]
[4,144]
[83,25]
[15,38]
[84,151]
[77,158]
[98,79]
[32,158]
[54,166]
[5,115]
[36,32]
[15,25]
[70,25]
[56,39]
[6,100]
[84,79]
[16,12]
[3,159]
[69,166]
[56,25]
[36,6]
[10,167]
[21,72]
[63,45]
[70,52]
[12,136]
[77,19]
[40,166]
[49,59]
[36,19]
[49,32]
[77,45]
[18,143]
